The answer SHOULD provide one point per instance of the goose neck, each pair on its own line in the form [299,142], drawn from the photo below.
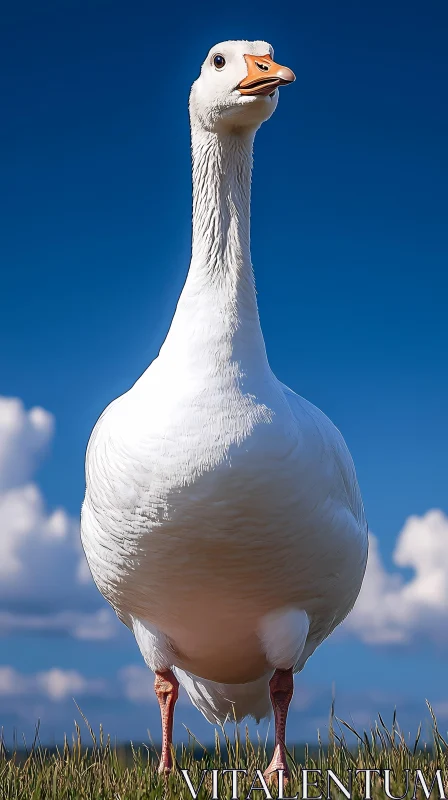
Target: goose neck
[222,166]
[216,320]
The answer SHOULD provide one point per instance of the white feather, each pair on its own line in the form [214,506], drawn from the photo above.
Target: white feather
[153,645]
[220,702]
[283,633]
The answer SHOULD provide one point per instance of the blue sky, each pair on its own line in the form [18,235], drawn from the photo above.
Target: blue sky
[352,287]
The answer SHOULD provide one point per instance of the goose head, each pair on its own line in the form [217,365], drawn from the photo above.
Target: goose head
[237,87]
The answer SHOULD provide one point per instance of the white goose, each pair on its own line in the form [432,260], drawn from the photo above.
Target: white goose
[222,517]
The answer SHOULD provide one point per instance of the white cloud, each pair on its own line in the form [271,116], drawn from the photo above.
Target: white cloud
[58,684]
[24,436]
[54,684]
[45,584]
[133,683]
[137,683]
[97,625]
[391,609]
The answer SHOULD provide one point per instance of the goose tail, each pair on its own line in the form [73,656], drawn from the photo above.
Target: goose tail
[221,702]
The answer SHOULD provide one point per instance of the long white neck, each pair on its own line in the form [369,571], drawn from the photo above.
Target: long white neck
[222,166]
[216,319]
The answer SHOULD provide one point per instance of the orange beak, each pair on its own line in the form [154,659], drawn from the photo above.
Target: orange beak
[264,75]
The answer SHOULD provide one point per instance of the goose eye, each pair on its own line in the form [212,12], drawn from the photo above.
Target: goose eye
[219,61]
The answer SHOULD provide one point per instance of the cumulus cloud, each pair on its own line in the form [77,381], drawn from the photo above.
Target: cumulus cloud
[45,585]
[137,684]
[133,683]
[24,436]
[54,684]
[392,610]
[99,624]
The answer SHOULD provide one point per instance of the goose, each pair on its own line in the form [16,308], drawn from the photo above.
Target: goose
[222,517]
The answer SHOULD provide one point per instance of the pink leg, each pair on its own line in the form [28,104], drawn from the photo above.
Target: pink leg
[167,689]
[281,688]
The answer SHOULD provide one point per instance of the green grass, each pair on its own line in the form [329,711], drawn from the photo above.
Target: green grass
[101,771]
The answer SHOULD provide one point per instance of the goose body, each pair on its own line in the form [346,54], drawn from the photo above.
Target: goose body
[222,518]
